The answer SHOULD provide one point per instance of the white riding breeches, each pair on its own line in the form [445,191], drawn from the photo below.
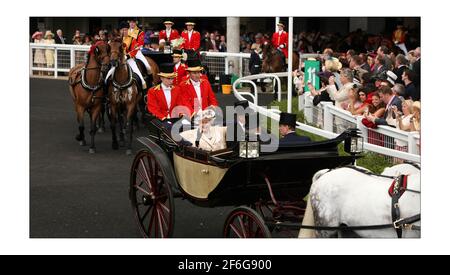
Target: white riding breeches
[135,69]
[141,57]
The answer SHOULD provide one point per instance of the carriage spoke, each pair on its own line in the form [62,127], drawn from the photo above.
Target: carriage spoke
[242,226]
[164,207]
[151,167]
[149,183]
[151,222]
[164,222]
[142,190]
[145,214]
[235,230]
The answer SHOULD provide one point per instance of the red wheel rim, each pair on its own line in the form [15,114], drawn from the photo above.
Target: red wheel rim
[151,197]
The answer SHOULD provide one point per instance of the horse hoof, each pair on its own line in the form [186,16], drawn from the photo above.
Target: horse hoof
[101,130]
[128,152]
[91,151]
[82,142]
[115,146]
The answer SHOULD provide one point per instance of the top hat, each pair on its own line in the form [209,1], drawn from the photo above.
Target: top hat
[194,65]
[288,119]
[166,70]
[177,53]
[243,103]
[123,25]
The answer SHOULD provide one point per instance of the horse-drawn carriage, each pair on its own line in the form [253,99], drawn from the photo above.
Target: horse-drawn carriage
[268,187]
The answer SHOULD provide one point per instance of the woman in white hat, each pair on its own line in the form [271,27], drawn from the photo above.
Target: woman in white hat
[49,54]
[39,57]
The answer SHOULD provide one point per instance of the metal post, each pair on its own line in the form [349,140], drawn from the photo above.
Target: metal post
[56,62]
[362,128]
[31,61]
[277,20]
[72,57]
[412,146]
[289,79]
[240,66]
[327,117]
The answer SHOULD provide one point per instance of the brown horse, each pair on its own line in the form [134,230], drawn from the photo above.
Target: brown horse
[273,61]
[152,79]
[87,89]
[123,95]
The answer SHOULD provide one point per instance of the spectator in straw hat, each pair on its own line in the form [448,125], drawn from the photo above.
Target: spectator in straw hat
[168,33]
[39,56]
[49,54]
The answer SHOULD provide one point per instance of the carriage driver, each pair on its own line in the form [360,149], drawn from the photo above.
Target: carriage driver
[287,130]
[133,38]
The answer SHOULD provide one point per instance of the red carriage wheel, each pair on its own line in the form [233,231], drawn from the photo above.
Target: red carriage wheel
[151,197]
[244,222]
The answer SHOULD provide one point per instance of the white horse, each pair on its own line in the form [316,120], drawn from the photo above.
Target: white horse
[348,197]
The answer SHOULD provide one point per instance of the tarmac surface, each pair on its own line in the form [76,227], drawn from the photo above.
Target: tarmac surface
[74,194]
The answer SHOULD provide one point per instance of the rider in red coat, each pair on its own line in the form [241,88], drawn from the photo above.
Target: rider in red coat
[168,33]
[191,38]
[280,39]
[196,90]
[163,98]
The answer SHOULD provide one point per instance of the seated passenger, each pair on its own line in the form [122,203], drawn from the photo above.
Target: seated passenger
[287,130]
[206,136]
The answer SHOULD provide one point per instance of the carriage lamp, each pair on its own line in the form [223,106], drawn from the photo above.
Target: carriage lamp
[248,149]
[354,144]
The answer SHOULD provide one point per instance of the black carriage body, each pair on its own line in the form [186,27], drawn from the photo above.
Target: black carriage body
[289,169]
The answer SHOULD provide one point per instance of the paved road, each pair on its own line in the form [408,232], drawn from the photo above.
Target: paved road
[76,194]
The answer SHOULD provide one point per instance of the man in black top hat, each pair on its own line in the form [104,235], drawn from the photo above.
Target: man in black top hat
[287,130]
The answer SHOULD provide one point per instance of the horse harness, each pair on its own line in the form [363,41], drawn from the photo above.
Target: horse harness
[88,87]
[396,190]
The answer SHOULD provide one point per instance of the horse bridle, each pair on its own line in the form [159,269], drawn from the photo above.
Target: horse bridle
[101,78]
[397,223]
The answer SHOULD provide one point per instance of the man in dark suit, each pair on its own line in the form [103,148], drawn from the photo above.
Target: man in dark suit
[400,66]
[287,131]
[60,39]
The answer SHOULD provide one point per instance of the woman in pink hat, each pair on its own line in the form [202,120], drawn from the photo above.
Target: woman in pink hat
[39,57]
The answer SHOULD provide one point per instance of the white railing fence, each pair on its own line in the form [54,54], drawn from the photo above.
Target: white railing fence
[332,119]
[55,59]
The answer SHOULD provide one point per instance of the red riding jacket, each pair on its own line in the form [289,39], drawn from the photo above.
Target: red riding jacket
[173,35]
[278,40]
[157,103]
[193,43]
